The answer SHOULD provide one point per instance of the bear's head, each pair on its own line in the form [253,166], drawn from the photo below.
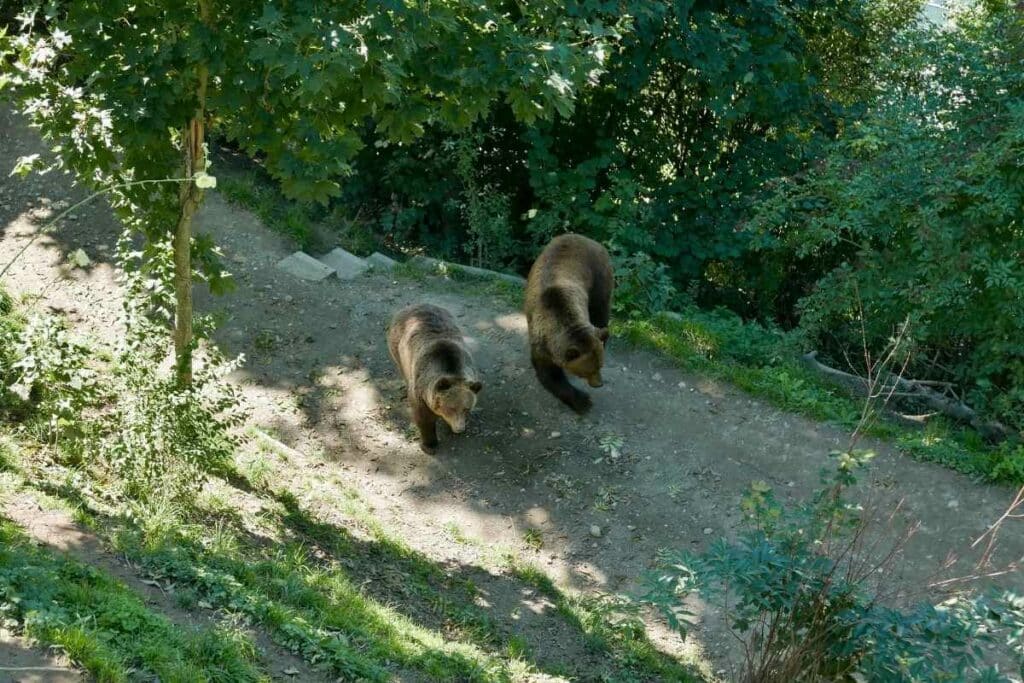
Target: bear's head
[452,398]
[583,354]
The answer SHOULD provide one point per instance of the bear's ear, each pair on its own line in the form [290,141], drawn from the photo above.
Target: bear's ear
[602,334]
[475,386]
[443,384]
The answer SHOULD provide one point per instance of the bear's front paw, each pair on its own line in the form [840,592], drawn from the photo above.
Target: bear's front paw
[429,447]
[581,402]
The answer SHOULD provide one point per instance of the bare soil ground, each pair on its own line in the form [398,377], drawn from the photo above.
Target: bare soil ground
[21,663]
[319,378]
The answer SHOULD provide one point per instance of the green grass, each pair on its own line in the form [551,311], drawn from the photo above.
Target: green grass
[447,597]
[764,364]
[104,626]
[311,609]
[362,607]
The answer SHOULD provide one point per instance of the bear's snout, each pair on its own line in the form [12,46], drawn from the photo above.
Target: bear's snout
[595,381]
[458,424]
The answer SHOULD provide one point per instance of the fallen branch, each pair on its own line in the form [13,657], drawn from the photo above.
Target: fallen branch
[915,389]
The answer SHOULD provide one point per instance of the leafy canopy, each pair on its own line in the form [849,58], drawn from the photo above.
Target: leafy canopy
[701,103]
[296,84]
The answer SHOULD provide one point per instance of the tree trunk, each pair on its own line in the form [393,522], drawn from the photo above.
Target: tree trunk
[189,198]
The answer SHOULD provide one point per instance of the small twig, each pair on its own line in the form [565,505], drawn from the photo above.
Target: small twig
[993,531]
[970,578]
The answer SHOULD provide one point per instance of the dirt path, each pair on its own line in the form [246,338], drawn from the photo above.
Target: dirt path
[21,663]
[319,375]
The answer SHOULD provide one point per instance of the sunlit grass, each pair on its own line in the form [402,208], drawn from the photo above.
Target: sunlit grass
[104,626]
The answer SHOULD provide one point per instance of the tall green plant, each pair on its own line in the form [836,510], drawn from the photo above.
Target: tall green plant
[804,591]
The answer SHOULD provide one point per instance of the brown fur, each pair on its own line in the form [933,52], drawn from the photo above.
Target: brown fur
[568,303]
[427,346]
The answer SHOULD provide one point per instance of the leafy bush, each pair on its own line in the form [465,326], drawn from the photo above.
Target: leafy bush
[45,373]
[485,210]
[9,326]
[805,602]
[916,216]
[161,438]
[157,438]
[642,287]
[700,105]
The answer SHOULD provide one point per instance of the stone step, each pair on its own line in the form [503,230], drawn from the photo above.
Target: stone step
[304,267]
[380,261]
[345,264]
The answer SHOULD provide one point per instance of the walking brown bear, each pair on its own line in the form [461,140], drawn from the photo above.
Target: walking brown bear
[568,303]
[427,346]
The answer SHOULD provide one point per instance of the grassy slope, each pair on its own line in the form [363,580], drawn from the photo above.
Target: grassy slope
[297,575]
[280,563]
[103,625]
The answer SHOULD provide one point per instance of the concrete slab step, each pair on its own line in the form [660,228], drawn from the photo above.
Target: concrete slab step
[345,264]
[380,261]
[304,267]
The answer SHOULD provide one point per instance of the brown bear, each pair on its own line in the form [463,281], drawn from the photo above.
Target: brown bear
[427,346]
[568,302]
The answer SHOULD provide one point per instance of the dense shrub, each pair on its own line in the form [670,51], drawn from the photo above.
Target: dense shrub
[46,378]
[643,287]
[916,215]
[701,104]
[803,590]
[123,419]
[159,438]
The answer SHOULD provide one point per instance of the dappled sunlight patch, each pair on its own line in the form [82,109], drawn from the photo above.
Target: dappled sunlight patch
[354,398]
[538,604]
[537,516]
[712,389]
[512,322]
[591,573]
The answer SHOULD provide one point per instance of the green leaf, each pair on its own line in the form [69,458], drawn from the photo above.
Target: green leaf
[25,165]
[79,258]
